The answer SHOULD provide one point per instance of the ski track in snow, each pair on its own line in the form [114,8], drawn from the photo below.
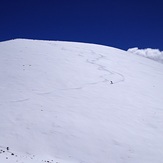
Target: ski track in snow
[100,68]
[23,100]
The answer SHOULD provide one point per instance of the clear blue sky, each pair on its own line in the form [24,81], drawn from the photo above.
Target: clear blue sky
[118,23]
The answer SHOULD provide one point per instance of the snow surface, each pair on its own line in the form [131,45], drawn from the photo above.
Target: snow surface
[57,104]
[154,54]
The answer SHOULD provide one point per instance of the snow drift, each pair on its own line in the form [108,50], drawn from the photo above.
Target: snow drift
[57,104]
[154,54]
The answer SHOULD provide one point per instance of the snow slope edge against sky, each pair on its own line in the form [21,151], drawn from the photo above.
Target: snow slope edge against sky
[154,54]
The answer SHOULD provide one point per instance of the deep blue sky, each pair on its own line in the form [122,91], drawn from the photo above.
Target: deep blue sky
[118,23]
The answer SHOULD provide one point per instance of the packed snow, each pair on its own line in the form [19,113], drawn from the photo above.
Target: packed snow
[154,54]
[66,102]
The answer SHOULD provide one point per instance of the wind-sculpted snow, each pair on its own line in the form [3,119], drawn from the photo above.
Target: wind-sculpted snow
[153,54]
[58,104]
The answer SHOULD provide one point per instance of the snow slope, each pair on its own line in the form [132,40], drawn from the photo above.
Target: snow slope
[57,104]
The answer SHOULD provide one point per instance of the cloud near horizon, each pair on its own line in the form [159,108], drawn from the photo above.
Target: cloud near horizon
[154,54]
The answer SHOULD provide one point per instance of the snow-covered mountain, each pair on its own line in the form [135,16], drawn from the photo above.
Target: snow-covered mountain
[57,104]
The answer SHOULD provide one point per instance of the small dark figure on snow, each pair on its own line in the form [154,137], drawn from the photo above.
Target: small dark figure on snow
[111,82]
[7,148]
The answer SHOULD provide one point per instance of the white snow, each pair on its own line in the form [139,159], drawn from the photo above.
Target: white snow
[154,54]
[57,104]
